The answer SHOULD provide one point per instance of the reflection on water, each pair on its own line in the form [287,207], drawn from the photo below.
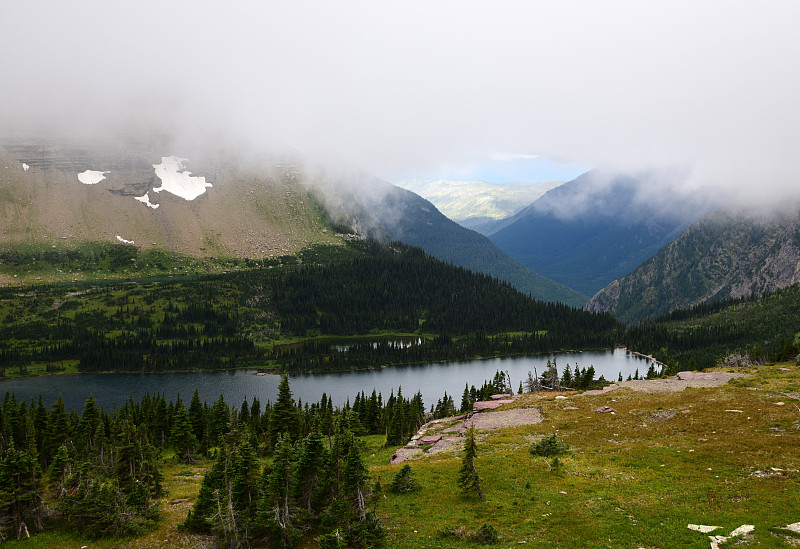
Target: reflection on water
[432,380]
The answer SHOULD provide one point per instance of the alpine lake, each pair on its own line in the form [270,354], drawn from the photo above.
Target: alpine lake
[432,380]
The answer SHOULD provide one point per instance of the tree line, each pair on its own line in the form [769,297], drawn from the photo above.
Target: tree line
[230,320]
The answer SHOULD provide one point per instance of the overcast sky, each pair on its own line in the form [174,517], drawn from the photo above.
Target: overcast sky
[428,88]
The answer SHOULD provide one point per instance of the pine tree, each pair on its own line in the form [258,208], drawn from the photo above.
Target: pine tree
[466,401]
[20,492]
[197,417]
[284,418]
[58,425]
[309,471]
[278,504]
[182,435]
[468,474]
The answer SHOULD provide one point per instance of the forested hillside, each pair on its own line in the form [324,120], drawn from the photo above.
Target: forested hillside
[236,319]
[406,217]
[757,329]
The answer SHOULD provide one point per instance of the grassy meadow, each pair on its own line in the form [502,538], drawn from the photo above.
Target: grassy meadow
[723,456]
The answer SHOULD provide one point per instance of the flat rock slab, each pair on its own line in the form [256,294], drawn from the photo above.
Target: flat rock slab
[794,527]
[742,530]
[500,397]
[490,404]
[605,409]
[404,454]
[432,439]
[702,528]
[570,408]
[669,385]
[695,375]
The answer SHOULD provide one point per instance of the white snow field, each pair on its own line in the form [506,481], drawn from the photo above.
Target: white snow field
[91,177]
[145,199]
[180,183]
[125,241]
[25,167]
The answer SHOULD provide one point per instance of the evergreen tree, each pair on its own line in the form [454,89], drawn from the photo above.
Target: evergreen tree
[310,470]
[404,482]
[20,492]
[182,435]
[284,418]
[197,417]
[58,425]
[466,401]
[278,506]
[468,474]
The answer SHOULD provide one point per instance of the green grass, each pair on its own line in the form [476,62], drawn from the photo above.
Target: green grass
[632,479]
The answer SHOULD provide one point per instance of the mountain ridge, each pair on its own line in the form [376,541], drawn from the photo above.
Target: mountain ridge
[595,228]
[729,253]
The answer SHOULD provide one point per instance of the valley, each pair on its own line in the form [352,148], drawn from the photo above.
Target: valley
[309,260]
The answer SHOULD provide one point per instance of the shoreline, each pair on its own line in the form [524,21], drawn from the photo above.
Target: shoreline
[276,370]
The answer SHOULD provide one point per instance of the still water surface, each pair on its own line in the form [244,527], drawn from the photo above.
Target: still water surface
[432,380]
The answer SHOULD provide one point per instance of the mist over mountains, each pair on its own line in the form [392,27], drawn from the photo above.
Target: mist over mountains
[221,204]
[476,204]
[729,253]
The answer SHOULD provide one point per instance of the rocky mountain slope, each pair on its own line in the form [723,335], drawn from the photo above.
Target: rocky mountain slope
[728,253]
[596,228]
[215,204]
[52,192]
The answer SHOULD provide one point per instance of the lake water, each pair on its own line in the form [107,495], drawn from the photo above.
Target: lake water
[430,379]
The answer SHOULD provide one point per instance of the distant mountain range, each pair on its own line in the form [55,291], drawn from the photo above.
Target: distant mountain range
[379,208]
[596,228]
[728,253]
[474,204]
[219,205]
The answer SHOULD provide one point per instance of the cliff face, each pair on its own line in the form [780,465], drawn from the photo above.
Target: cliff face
[728,253]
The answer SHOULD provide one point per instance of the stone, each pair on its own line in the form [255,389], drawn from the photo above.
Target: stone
[568,408]
[500,397]
[694,375]
[431,439]
[742,530]
[780,404]
[561,397]
[605,409]
[785,369]
[736,411]
[794,527]
[486,405]
[702,528]
[180,500]
[685,411]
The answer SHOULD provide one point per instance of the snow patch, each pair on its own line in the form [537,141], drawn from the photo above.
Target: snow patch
[26,167]
[178,182]
[125,241]
[146,201]
[91,177]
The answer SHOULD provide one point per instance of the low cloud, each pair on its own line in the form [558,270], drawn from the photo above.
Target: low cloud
[709,88]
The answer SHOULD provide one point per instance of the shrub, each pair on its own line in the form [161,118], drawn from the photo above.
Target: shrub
[549,446]
[404,481]
[485,535]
